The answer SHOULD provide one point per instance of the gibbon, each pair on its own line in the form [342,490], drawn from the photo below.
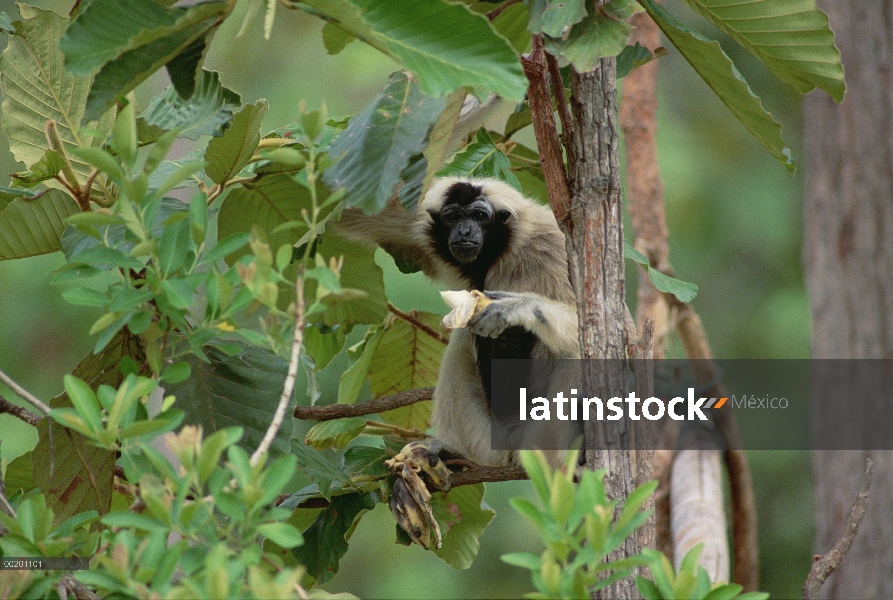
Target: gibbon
[482,234]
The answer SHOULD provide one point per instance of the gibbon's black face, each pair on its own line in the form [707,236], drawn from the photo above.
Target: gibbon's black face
[468,230]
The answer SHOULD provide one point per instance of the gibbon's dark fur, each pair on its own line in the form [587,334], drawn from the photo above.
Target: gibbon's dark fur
[521,266]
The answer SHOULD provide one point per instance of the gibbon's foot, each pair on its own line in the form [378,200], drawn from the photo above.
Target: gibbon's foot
[410,503]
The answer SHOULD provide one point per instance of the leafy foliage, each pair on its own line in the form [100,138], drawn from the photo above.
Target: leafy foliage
[205,266]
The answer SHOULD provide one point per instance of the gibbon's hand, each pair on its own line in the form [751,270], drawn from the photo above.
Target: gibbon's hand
[505,310]
[417,466]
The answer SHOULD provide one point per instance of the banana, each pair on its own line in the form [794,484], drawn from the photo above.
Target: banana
[410,515]
[410,500]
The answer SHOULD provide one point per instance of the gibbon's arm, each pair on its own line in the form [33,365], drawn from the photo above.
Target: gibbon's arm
[394,229]
[554,323]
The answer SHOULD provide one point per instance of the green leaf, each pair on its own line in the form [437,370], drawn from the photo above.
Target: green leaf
[555,17]
[481,158]
[314,465]
[84,401]
[378,142]
[683,290]
[438,142]
[352,379]
[446,45]
[325,541]
[46,168]
[336,433]
[648,590]
[176,373]
[89,42]
[634,502]
[406,358]
[209,111]
[360,272]
[281,534]
[335,39]
[463,515]
[591,39]
[365,461]
[228,154]
[511,24]
[791,37]
[37,89]
[635,56]
[6,24]
[33,226]
[323,347]
[69,485]
[525,560]
[148,51]
[239,390]
[271,202]
[718,71]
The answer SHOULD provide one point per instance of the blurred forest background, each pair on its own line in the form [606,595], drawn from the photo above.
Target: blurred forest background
[735,219]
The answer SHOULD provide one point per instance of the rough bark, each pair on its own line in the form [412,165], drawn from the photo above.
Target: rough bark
[849,260]
[595,254]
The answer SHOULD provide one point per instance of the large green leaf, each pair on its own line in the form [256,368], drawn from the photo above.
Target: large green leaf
[149,37]
[240,390]
[791,37]
[359,273]
[37,89]
[209,111]
[588,40]
[34,226]
[229,153]
[321,471]
[446,45]
[406,358]
[462,515]
[325,541]
[481,158]
[91,40]
[66,469]
[718,71]
[336,433]
[378,142]
[351,382]
[438,141]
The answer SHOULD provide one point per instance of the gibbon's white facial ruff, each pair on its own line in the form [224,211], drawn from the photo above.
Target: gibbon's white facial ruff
[482,234]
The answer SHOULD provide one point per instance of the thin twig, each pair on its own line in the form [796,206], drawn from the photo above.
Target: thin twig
[24,394]
[564,113]
[289,387]
[341,411]
[825,565]
[382,428]
[19,412]
[413,320]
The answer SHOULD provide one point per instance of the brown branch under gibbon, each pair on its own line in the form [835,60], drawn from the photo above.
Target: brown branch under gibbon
[474,474]
[413,320]
[341,411]
[19,412]
[825,565]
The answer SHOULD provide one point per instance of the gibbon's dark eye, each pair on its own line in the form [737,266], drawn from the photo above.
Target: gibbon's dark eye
[480,215]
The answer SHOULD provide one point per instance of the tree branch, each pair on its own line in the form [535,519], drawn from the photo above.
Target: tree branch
[341,411]
[825,565]
[289,386]
[24,394]
[475,473]
[19,412]
[545,130]
[412,320]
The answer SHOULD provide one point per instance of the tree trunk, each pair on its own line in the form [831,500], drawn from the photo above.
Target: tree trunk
[595,249]
[849,270]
